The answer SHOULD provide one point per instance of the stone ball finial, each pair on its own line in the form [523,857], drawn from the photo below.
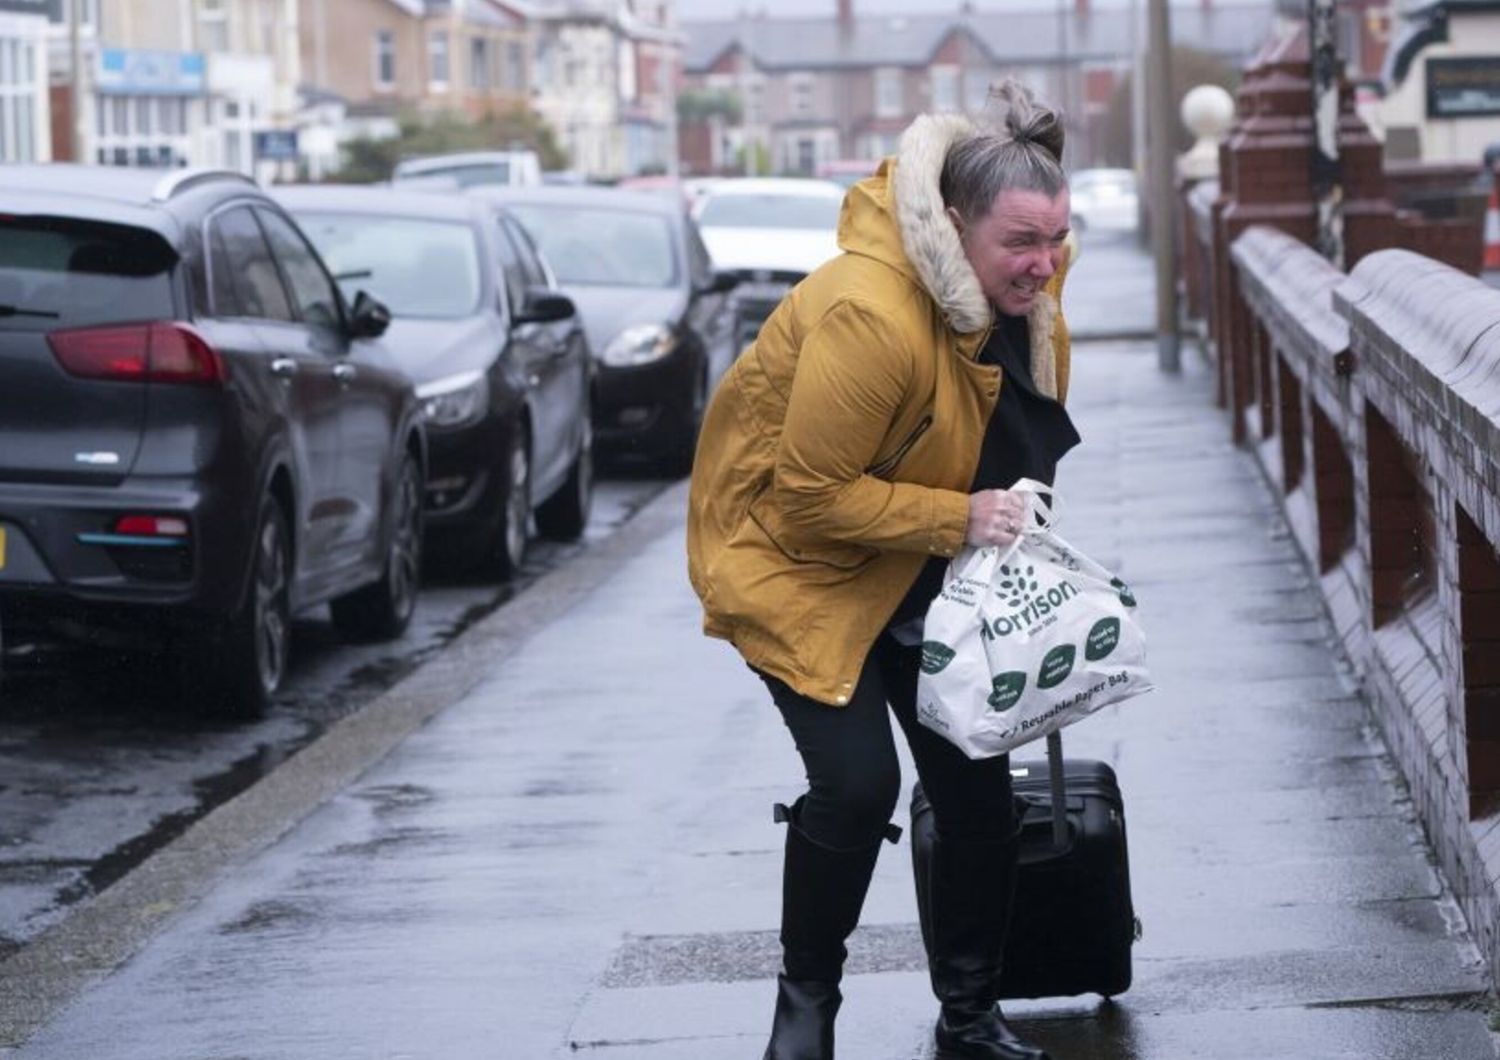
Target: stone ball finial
[1208,112]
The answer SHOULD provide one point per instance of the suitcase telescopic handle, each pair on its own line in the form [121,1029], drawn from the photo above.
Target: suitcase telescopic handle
[1059,790]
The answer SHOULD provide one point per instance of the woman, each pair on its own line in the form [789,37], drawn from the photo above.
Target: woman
[868,433]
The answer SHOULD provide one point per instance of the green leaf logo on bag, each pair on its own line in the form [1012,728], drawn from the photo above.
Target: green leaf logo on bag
[1007,689]
[1017,584]
[1057,664]
[1123,590]
[935,656]
[1102,639]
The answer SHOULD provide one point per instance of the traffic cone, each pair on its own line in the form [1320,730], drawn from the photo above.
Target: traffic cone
[1492,229]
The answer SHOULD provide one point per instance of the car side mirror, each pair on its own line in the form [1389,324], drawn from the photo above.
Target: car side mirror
[722,281]
[543,306]
[369,317]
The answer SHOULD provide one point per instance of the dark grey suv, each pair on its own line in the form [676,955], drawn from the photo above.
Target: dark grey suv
[198,435]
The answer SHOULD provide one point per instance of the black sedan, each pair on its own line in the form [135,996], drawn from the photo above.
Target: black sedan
[198,435]
[655,309]
[498,354]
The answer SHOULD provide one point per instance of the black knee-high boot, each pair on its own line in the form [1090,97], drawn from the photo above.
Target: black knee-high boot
[822,891]
[965,889]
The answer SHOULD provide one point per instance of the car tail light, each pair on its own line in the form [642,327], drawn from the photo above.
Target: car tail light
[158,352]
[152,526]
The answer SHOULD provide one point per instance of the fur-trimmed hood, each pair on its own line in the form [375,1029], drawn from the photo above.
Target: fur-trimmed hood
[898,217]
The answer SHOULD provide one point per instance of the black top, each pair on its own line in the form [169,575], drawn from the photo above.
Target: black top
[1027,435]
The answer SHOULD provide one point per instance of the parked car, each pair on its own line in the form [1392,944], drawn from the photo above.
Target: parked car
[655,310]
[470,168]
[199,436]
[1104,200]
[770,232]
[499,356]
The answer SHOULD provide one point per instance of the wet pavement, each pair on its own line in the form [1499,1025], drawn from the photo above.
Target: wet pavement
[577,855]
[100,764]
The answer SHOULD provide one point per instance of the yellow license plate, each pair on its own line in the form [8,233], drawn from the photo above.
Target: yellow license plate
[2,548]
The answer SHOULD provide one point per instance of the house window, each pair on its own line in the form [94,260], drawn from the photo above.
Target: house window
[977,89]
[801,96]
[944,88]
[888,101]
[213,22]
[18,101]
[385,58]
[755,102]
[515,66]
[437,59]
[142,130]
[479,63]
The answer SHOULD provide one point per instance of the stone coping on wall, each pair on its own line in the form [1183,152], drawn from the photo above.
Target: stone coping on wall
[1290,288]
[1429,338]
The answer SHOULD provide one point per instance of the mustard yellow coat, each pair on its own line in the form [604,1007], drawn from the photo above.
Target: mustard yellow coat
[836,454]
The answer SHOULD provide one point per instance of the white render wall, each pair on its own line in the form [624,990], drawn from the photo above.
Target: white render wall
[1446,139]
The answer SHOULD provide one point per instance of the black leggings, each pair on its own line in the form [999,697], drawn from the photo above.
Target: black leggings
[854,777]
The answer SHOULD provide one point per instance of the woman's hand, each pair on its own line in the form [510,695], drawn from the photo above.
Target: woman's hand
[996,517]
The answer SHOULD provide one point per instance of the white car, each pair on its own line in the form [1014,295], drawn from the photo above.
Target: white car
[770,232]
[775,223]
[1104,200]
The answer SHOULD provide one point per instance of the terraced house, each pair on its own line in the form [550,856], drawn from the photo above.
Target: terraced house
[844,85]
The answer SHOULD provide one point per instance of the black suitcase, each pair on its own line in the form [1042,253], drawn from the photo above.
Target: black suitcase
[1072,925]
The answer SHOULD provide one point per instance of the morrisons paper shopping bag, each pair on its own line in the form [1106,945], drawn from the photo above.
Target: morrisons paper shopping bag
[1025,640]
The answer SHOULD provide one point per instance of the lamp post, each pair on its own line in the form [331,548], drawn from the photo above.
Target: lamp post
[1163,205]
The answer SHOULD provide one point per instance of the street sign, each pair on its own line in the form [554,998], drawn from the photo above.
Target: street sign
[276,145]
[1463,87]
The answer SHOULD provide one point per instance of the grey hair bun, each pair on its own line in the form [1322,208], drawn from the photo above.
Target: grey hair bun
[1013,110]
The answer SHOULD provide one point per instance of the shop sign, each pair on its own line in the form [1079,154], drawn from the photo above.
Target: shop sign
[137,72]
[48,8]
[1463,87]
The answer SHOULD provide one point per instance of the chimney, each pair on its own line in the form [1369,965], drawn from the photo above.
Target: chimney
[846,13]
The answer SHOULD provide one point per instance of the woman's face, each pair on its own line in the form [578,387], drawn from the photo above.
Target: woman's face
[1016,247]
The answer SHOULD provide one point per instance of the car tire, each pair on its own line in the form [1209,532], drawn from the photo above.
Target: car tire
[383,609]
[236,666]
[565,515]
[506,549]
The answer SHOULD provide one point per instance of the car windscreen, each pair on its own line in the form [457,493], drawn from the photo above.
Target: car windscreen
[609,248]
[417,267]
[465,176]
[58,272]
[751,210]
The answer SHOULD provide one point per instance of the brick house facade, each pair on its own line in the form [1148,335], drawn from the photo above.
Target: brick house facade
[816,89]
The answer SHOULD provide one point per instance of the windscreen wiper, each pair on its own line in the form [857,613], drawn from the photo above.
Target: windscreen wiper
[17,311]
[355,274]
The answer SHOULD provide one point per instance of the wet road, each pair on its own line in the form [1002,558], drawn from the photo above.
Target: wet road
[100,765]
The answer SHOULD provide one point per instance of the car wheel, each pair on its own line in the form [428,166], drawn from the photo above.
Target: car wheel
[507,544]
[237,667]
[564,515]
[383,610]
